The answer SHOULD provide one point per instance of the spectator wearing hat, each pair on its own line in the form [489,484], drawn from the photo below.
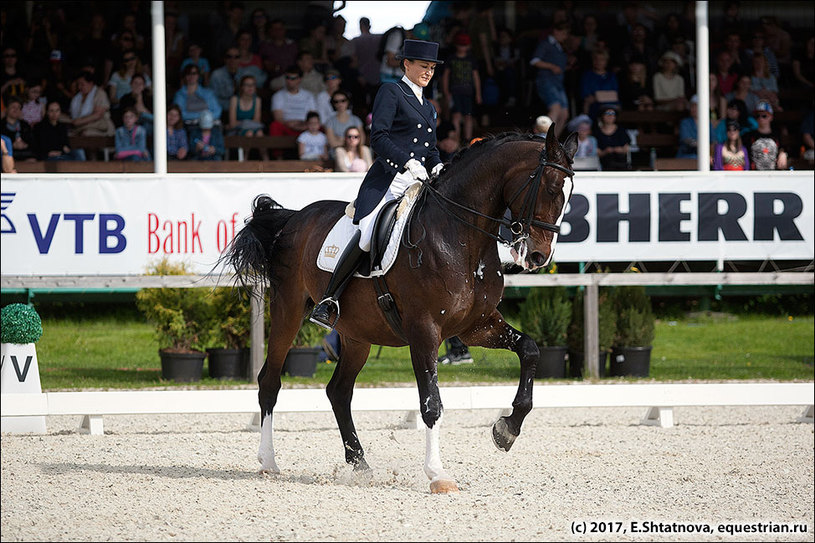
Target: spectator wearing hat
[551,60]
[689,131]
[207,139]
[731,155]
[764,143]
[586,157]
[461,86]
[669,86]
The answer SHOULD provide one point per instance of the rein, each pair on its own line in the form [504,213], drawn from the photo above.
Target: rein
[519,228]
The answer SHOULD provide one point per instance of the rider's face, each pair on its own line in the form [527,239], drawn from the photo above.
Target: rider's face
[420,72]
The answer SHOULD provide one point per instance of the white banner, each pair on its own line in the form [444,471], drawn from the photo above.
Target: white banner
[88,225]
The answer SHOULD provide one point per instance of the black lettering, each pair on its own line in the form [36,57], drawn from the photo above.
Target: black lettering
[609,217]
[576,217]
[21,375]
[710,221]
[765,221]
[670,217]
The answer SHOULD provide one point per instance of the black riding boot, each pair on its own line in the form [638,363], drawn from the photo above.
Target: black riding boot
[329,308]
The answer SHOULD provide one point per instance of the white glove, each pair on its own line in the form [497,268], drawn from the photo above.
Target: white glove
[416,169]
[437,169]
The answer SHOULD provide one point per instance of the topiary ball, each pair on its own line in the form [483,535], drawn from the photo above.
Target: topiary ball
[20,324]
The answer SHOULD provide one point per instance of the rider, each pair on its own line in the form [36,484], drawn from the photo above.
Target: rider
[403,136]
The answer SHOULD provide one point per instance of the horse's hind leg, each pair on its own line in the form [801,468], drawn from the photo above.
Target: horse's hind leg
[497,334]
[353,356]
[286,310]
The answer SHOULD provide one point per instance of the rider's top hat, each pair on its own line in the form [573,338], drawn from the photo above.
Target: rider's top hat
[420,50]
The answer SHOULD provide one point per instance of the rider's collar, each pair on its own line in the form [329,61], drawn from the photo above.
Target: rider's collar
[417,90]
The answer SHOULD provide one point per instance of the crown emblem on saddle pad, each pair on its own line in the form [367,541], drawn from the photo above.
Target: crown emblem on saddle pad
[331,251]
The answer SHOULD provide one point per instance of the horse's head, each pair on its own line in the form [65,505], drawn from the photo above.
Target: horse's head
[539,202]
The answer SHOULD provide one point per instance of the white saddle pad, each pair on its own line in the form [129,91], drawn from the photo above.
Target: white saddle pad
[341,233]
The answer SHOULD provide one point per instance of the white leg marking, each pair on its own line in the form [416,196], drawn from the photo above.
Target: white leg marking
[432,460]
[266,450]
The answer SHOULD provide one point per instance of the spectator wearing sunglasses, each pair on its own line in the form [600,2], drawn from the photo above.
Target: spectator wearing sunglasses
[764,143]
[333,82]
[352,155]
[342,120]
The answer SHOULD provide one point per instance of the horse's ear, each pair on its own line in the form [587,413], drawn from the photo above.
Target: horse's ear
[570,145]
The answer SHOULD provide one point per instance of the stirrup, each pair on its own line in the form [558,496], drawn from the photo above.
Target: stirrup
[324,320]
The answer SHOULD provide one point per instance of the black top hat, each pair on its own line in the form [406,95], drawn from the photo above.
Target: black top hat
[420,50]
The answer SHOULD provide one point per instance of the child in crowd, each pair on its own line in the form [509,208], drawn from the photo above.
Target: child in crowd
[461,85]
[177,148]
[312,144]
[34,106]
[131,139]
[207,139]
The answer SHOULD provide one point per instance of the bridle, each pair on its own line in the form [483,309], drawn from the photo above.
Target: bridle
[520,228]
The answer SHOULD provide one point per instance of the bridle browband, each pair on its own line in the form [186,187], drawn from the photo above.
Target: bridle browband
[520,228]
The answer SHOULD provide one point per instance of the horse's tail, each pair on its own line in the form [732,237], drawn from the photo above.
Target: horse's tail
[250,252]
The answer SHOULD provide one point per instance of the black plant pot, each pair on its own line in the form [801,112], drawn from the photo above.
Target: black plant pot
[577,363]
[228,364]
[302,361]
[182,367]
[630,361]
[552,362]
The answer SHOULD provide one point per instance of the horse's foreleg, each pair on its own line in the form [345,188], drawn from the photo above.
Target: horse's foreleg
[425,368]
[340,389]
[497,334]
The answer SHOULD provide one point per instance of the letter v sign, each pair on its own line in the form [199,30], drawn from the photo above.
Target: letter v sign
[20,376]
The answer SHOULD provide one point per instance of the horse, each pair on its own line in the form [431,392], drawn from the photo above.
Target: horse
[446,281]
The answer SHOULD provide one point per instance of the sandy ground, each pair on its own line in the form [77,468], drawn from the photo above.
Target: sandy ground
[195,478]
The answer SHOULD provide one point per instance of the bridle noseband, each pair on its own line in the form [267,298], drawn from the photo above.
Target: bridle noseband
[521,227]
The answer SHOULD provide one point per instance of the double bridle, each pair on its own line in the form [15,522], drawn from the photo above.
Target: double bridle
[520,227]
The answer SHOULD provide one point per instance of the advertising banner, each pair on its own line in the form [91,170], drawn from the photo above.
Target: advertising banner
[112,225]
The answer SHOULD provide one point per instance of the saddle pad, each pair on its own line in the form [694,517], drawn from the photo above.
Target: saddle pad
[344,228]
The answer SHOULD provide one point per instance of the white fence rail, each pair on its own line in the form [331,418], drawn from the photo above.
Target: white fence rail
[660,399]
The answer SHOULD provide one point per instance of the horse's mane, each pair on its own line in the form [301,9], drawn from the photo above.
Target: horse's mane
[488,143]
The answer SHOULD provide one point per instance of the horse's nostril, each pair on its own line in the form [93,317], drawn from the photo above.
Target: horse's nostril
[538,259]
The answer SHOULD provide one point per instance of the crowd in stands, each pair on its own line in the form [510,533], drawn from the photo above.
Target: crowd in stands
[241,72]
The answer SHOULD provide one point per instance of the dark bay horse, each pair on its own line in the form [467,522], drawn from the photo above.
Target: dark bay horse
[448,283]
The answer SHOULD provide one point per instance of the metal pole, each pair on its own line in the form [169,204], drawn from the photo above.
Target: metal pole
[591,328]
[703,87]
[159,91]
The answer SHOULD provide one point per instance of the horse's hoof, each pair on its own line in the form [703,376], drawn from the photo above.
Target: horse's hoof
[267,472]
[362,466]
[443,486]
[501,435]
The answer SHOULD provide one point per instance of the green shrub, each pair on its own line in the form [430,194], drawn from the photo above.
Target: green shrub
[309,335]
[635,317]
[230,323]
[607,317]
[20,324]
[180,315]
[545,315]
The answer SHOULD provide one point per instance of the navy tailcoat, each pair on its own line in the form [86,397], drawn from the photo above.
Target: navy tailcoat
[401,129]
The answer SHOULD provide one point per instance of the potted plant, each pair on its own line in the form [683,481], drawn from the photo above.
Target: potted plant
[180,317]
[545,315]
[302,358]
[631,354]
[20,331]
[607,329]
[229,328]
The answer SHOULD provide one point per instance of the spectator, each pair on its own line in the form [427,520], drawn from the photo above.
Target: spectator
[225,80]
[759,45]
[90,109]
[34,105]
[389,47]
[13,77]
[259,24]
[56,83]
[365,47]
[586,157]
[277,51]
[589,39]
[741,59]
[194,51]
[51,137]
[461,86]
[352,155]
[613,142]
[193,99]
[129,26]
[177,146]
[763,83]
[689,131]
[94,47]
[687,66]
[227,27]
[731,155]
[18,131]
[312,143]
[716,101]
[541,126]
[669,87]
[482,31]
[333,82]
[636,93]
[141,99]
[778,40]
[507,63]
[764,143]
[312,79]
[803,65]
[550,59]
[744,91]
[337,125]
[290,106]
[207,138]
[248,62]
[736,111]
[119,84]
[175,47]
[598,86]
[131,139]
[727,77]
[639,49]
[340,49]
[245,110]
[314,44]
[8,155]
